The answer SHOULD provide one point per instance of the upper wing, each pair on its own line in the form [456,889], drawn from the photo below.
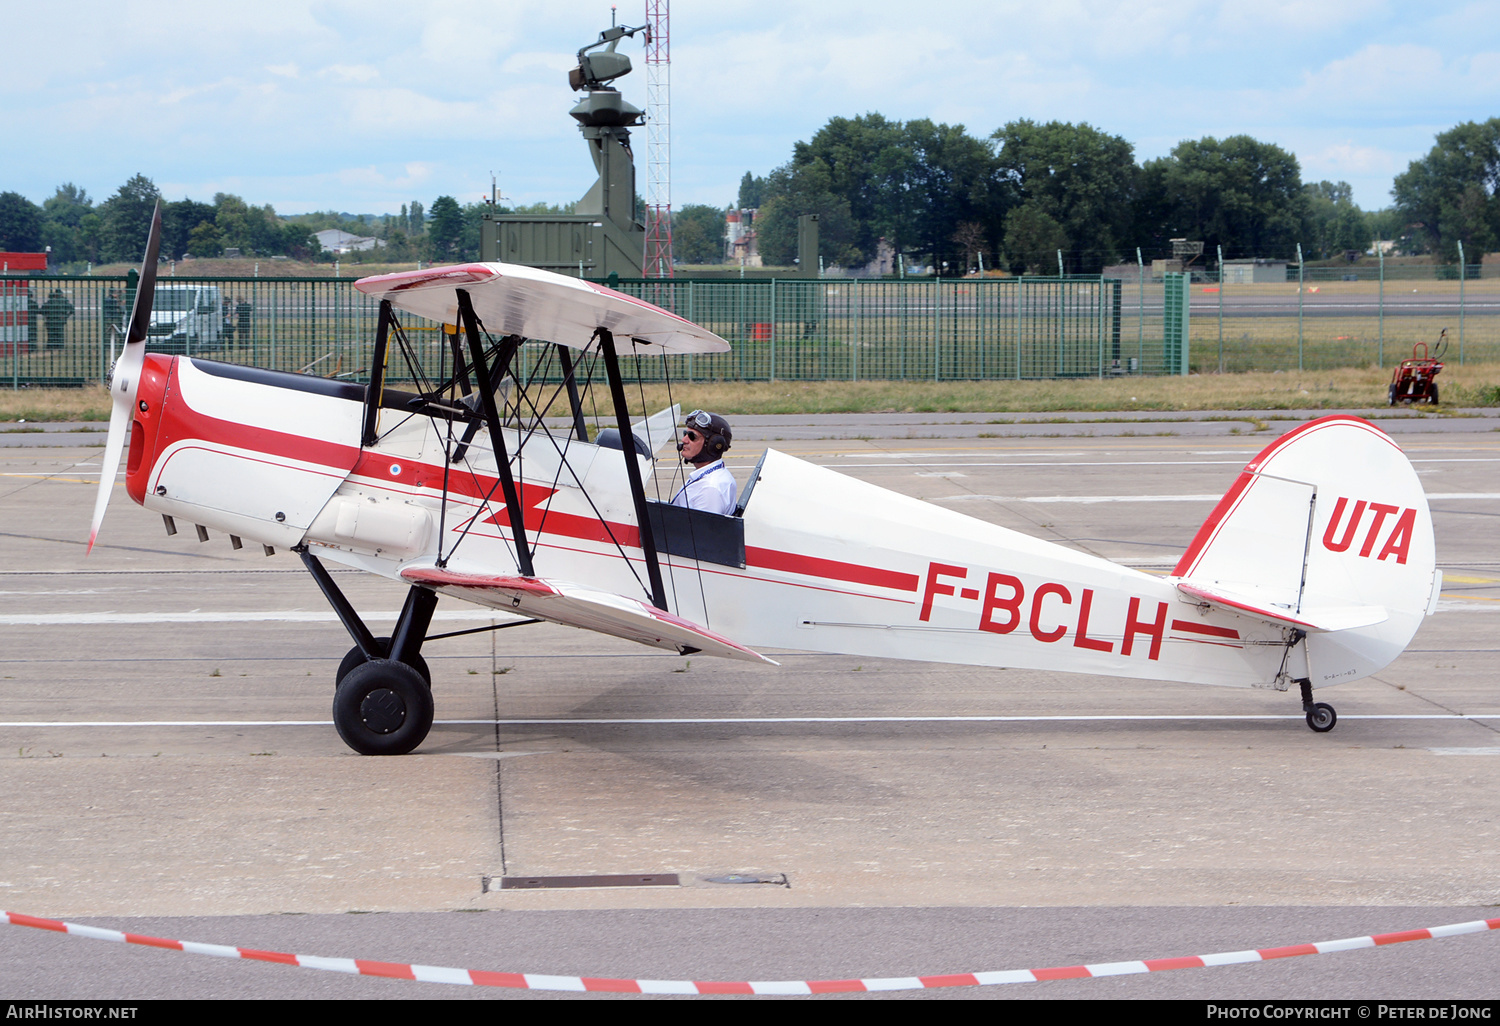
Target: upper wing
[577,605]
[527,301]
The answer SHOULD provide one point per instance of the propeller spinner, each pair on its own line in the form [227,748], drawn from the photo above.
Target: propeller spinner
[125,380]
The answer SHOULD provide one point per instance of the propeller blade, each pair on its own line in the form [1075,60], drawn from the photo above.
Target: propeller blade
[125,379]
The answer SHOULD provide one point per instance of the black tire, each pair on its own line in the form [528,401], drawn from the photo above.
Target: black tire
[354,657]
[1390,395]
[382,708]
[1432,395]
[1321,717]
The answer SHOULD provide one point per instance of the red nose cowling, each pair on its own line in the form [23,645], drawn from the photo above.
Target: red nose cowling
[152,396]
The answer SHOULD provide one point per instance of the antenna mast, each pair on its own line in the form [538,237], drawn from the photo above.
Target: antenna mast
[658,256]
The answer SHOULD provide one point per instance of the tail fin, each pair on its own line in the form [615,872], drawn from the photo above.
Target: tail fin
[1326,531]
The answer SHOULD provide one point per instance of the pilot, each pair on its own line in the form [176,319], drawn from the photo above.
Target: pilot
[711,487]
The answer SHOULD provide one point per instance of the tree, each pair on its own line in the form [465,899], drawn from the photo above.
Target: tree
[869,178]
[1033,237]
[1081,178]
[126,220]
[20,224]
[1450,194]
[953,178]
[179,221]
[752,192]
[793,191]
[1334,224]
[63,225]
[204,240]
[1242,194]
[445,228]
[972,243]
[698,234]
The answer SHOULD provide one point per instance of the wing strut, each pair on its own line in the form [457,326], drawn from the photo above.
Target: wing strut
[470,323]
[377,374]
[632,466]
[565,358]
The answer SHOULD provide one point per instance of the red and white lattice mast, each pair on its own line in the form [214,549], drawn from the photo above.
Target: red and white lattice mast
[658,257]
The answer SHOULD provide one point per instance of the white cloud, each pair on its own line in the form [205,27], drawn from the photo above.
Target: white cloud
[417,99]
[350,73]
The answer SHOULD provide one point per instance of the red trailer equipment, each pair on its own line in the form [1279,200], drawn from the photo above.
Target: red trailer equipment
[1413,380]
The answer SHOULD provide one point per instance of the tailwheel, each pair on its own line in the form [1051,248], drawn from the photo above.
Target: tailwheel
[1321,717]
[354,657]
[382,708]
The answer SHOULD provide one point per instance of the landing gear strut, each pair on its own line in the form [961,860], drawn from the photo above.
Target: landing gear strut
[1320,715]
[383,701]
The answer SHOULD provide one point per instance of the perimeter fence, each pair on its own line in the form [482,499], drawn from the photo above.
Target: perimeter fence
[62,331]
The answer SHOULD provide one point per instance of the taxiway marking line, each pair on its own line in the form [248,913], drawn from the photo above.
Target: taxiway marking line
[757,720]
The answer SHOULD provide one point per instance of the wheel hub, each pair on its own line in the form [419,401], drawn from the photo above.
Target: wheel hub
[383,711]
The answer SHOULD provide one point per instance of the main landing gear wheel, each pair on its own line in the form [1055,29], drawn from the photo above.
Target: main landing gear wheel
[354,657]
[1321,717]
[383,708]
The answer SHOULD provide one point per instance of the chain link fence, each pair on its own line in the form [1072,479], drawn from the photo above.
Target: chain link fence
[65,331]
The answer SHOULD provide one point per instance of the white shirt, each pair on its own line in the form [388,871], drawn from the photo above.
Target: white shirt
[711,487]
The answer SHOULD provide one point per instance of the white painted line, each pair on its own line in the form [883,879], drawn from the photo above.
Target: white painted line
[759,720]
[1464,751]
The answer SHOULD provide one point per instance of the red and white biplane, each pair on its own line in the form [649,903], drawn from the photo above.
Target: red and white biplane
[1316,568]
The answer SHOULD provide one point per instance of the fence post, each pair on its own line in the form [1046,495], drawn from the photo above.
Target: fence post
[1140,312]
[773,330]
[1299,305]
[854,352]
[1380,306]
[1016,316]
[1221,309]
[1462,275]
[937,326]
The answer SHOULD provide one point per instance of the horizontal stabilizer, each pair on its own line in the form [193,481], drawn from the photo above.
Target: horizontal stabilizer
[591,609]
[1338,618]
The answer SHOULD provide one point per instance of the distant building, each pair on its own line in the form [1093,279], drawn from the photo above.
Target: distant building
[1249,272]
[739,236]
[336,240]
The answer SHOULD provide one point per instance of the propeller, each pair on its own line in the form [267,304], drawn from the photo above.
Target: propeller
[125,379]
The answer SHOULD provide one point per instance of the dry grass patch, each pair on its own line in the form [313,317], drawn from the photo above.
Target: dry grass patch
[1341,388]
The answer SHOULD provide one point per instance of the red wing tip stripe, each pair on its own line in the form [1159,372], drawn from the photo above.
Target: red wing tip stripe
[536,981]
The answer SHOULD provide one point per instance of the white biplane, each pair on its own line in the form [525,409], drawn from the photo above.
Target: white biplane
[1316,568]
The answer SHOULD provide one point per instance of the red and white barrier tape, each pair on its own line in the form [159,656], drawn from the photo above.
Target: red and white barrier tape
[534,981]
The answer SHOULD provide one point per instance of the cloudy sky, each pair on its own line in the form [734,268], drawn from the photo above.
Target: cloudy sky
[362,106]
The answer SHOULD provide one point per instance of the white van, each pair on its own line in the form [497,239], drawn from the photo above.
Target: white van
[186,319]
